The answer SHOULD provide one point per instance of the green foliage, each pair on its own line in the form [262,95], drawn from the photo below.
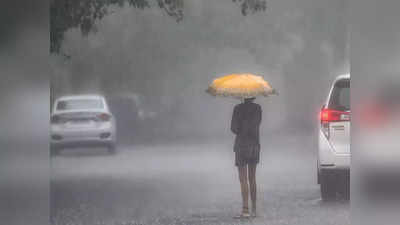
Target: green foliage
[174,8]
[66,14]
[251,6]
[83,14]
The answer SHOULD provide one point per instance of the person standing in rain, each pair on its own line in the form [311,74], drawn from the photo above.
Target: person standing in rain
[246,120]
[245,124]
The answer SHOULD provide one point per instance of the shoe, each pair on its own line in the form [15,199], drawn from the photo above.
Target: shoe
[242,216]
[253,214]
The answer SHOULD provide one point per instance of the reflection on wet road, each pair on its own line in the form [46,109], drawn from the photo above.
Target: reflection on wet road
[188,184]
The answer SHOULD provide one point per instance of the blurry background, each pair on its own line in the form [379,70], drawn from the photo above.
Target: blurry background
[375,56]
[24,120]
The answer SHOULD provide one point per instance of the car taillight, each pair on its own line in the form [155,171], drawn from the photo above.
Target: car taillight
[329,115]
[104,117]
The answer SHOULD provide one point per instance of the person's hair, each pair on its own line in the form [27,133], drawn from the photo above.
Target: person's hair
[249,99]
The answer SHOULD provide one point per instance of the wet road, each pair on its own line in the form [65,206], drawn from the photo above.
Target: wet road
[185,183]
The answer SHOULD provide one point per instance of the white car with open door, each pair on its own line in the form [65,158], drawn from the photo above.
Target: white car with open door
[334,140]
[81,120]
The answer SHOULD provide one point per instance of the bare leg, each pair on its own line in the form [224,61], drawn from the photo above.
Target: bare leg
[244,188]
[253,188]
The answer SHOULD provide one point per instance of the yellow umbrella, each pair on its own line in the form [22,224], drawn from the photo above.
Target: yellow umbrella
[240,86]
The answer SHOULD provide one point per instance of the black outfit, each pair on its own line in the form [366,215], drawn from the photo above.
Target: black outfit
[246,120]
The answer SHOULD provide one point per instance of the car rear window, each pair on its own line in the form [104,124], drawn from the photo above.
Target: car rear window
[77,104]
[340,98]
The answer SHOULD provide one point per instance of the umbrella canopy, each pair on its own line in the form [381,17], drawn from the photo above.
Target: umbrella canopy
[240,86]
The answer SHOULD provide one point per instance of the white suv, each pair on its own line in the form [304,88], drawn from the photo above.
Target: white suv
[334,140]
[81,120]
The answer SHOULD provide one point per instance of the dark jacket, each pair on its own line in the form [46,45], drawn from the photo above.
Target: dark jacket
[246,120]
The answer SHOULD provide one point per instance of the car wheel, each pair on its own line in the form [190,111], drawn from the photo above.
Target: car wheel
[328,187]
[345,192]
[112,149]
[318,177]
[345,188]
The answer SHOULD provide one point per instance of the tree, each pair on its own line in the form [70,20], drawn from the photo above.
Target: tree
[67,14]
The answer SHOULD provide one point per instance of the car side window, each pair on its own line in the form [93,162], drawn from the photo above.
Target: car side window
[340,97]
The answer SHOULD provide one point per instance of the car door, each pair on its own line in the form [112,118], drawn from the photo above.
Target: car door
[339,130]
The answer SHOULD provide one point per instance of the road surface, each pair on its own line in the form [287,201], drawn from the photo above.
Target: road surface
[188,183]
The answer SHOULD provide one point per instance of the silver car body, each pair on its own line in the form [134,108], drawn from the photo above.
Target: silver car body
[334,151]
[82,120]
[333,164]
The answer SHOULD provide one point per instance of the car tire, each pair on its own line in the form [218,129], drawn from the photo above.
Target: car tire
[345,192]
[345,188]
[328,187]
[112,149]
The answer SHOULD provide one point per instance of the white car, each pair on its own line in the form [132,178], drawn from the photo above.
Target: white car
[334,140]
[81,120]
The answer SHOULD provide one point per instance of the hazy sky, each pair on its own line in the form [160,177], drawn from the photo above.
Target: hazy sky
[299,46]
